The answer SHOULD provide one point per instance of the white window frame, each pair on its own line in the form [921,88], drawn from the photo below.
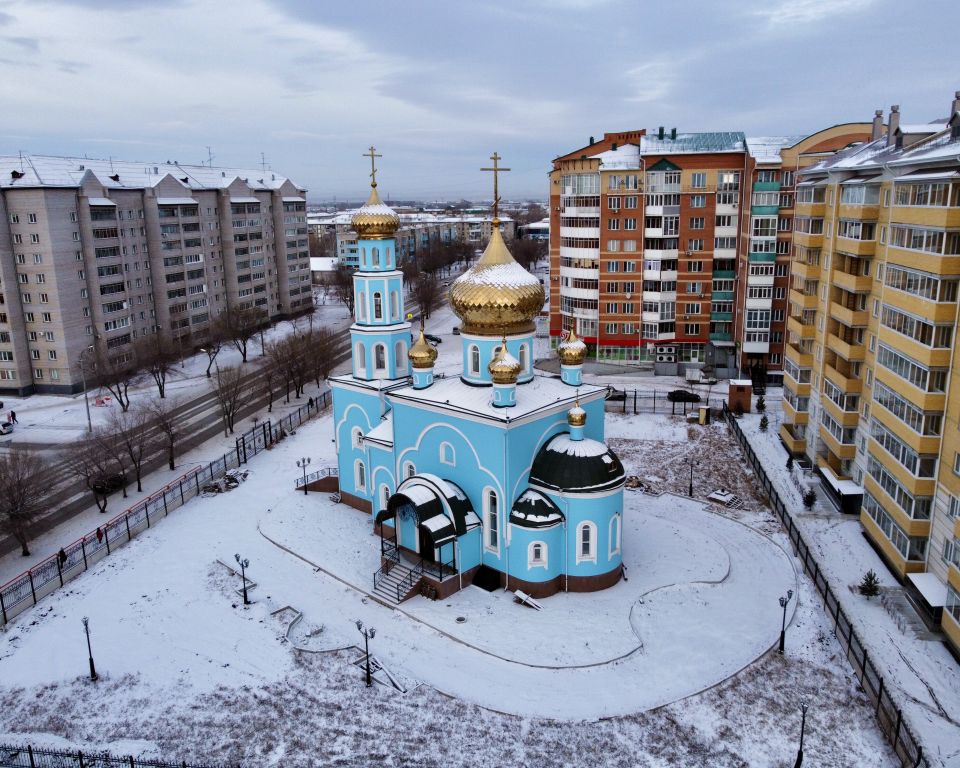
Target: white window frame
[537,562]
[382,348]
[616,532]
[474,354]
[448,454]
[591,555]
[360,356]
[409,469]
[356,437]
[360,475]
[491,519]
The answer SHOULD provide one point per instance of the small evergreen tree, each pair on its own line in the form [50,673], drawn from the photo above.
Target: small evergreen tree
[809,498]
[764,423]
[761,404]
[789,463]
[870,585]
[738,410]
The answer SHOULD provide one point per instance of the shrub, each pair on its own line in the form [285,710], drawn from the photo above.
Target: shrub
[870,584]
[761,404]
[764,423]
[809,498]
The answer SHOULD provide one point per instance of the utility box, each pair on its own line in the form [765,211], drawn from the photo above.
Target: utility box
[740,395]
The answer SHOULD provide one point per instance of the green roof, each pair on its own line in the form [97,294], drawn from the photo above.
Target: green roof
[663,165]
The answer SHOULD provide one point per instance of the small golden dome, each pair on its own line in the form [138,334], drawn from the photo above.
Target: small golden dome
[504,368]
[375,221]
[421,354]
[571,350]
[497,296]
[576,416]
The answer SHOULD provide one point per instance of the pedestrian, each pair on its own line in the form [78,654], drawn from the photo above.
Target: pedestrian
[99,535]
[13,417]
[310,403]
[62,557]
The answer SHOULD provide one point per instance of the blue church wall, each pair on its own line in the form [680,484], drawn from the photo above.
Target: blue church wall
[598,510]
[478,351]
[354,411]
[395,343]
[389,287]
[383,482]
[377,255]
[549,566]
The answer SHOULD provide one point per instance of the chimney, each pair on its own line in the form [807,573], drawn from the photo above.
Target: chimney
[893,123]
[660,133]
[614,146]
[955,107]
[673,134]
[877,130]
[591,141]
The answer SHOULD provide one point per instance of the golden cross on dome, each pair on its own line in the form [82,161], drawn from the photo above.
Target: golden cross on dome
[496,195]
[372,154]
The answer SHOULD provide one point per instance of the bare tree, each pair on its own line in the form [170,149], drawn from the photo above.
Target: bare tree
[133,431]
[233,393]
[115,373]
[242,324]
[157,357]
[427,294]
[343,286]
[110,444]
[528,252]
[164,419]
[93,465]
[320,352]
[23,491]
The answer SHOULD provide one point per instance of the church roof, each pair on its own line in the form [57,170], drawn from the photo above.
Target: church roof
[579,466]
[534,510]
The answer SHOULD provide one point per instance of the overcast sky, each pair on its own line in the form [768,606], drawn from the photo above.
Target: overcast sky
[437,86]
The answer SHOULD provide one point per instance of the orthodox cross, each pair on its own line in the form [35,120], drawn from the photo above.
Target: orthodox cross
[372,154]
[496,195]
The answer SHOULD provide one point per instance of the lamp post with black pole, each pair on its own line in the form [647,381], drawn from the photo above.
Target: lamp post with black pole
[368,634]
[783,624]
[804,705]
[86,629]
[83,381]
[690,487]
[244,563]
[303,464]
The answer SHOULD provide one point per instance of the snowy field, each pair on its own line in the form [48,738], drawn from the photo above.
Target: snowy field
[189,673]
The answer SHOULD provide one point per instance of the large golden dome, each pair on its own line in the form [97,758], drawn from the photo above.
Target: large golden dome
[497,296]
[375,221]
[421,354]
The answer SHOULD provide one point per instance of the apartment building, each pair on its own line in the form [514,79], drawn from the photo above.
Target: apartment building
[104,252]
[871,394]
[763,272]
[643,246]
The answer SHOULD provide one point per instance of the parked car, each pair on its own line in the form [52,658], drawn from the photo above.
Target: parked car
[107,484]
[432,339]
[456,330]
[6,428]
[616,395]
[682,396]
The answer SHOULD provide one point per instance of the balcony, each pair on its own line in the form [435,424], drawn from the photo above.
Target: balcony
[838,449]
[804,300]
[766,186]
[723,295]
[891,554]
[794,416]
[800,329]
[721,337]
[940,217]
[843,418]
[801,358]
[808,240]
[852,318]
[794,444]
[911,526]
[851,352]
[806,271]
[764,210]
[857,247]
[761,258]
[853,283]
[756,347]
[845,384]
[721,317]
[813,210]
[724,274]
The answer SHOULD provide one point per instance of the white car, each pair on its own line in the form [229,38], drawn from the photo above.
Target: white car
[6,428]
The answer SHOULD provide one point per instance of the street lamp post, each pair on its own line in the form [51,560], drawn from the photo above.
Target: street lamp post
[244,564]
[86,629]
[690,487]
[303,464]
[783,624]
[803,724]
[368,634]
[83,379]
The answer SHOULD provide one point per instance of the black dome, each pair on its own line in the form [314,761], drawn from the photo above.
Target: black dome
[534,510]
[579,466]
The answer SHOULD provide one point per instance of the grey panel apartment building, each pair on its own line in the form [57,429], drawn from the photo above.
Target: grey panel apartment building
[107,252]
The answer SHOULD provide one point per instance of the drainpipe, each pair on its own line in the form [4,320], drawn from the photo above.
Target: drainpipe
[566,544]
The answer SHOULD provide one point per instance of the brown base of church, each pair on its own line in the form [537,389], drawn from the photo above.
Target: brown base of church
[561,583]
[356,502]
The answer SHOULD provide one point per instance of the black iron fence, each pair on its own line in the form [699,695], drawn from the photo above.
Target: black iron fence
[888,714]
[36,757]
[50,574]
[655,401]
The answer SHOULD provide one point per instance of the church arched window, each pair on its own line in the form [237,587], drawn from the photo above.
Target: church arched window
[377,306]
[586,543]
[380,357]
[474,359]
[400,350]
[447,454]
[409,469]
[384,496]
[394,305]
[537,554]
[375,255]
[615,523]
[362,305]
[361,358]
[356,437]
[360,475]
[492,520]
[523,358]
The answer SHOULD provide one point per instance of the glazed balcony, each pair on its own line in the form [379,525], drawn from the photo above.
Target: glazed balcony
[845,384]
[838,449]
[808,240]
[857,247]
[853,283]
[843,418]
[794,444]
[794,416]
[804,270]
[937,217]
[891,554]
[911,526]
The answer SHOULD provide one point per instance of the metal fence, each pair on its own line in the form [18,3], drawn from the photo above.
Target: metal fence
[654,401]
[888,714]
[35,757]
[50,574]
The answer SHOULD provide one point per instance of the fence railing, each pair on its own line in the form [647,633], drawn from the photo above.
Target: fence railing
[37,757]
[654,401]
[888,714]
[50,574]
[325,472]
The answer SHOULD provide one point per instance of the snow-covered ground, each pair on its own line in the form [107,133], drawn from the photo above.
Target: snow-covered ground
[188,673]
[922,674]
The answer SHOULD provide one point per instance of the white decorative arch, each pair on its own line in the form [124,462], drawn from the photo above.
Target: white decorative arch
[360,480]
[524,357]
[616,533]
[492,511]
[362,305]
[537,554]
[379,353]
[448,454]
[409,470]
[445,425]
[400,355]
[586,543]
[346,411]
[356,437]
[474,359]
[360,358]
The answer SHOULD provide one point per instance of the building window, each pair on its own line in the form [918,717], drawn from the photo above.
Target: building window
[474,360]
[361,358]
[523,358]
[362,305]
[491,515]
[401,356]
[537,555]
[698,201]
[448,455]
[377,306]
[615,535]
[356,437]
[384,496]
[380,357]
[409,469]
[698,180]
[394,305]
[360,475]
[375,254]
[586,543]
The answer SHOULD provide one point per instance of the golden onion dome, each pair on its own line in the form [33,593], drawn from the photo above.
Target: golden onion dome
[497,296]
[375,221]
[576,416]
[572,351]
[504,368]
[421,354]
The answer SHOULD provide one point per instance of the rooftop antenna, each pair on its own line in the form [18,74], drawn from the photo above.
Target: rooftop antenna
[209,155]
[21,161]
[263,162]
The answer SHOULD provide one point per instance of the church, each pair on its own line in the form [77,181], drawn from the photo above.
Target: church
[499,476]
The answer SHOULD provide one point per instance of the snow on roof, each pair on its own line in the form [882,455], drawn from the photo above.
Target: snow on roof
[580,448]
[626,156]
[766,149]
[418,494]
[539,394]
[181,201]
[933,590]
[921,127]
[383,432]
[724,141]
[56,171]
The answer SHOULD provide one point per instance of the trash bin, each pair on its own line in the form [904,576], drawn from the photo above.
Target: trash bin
[704,414]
